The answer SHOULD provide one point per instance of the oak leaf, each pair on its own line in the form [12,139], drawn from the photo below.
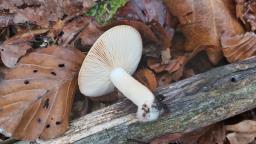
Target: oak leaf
[36,96]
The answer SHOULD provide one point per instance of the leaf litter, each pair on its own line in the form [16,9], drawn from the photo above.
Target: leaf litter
[43,44]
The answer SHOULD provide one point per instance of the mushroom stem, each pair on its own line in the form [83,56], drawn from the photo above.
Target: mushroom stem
[137,93]
[131,88]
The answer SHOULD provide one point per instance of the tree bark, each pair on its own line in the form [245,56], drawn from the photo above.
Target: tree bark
[192,103]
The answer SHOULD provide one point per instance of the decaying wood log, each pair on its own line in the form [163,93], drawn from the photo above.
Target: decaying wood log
[192,103]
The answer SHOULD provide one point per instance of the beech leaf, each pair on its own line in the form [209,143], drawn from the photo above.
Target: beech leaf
[203,22]
[14,48]
[147,78]
[36,95]
[239,47]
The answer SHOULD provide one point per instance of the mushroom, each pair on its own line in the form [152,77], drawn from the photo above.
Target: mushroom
[111,61]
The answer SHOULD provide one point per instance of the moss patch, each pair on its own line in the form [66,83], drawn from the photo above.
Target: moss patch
[104,10]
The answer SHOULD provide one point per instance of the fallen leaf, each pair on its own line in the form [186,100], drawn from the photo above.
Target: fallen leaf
[108,98]
[241,138]
[145,31]
[81,106]
[246,126]
[246,12]
[14,48]
[188,73]
[147,78]
[239,47]
[166,138]
[213,134]
[145,11]
[155,14]
[243,132]
[42,13]
[203,23]
[155,65]
[73,28]
[36,95]
[164,79]
[90,34]
[200,63]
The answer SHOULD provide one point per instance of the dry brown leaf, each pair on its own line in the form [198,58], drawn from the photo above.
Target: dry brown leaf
[111,97]
[155,65]
[155,15]
[203,22]
[164,79]
[145,31]
[246,126]
[73,28]
[16,47]
[147,78]
[241,138]
[90,34]
[36,95]
[239,47]
[145,11]
[243,132]
[42,13]
[166,138]
[189,73]
[214,134]
[81,106]
[246,12]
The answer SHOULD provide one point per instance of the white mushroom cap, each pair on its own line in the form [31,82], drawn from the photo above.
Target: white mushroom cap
[120,46]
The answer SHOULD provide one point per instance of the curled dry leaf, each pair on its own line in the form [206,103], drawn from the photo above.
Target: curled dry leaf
[155,14]
[175,67]
[90,34]
[246,126]
[241,138]
[42,13]
[239,47]
[14,48]
[214,134]
[147,78]
[203,22]
[147,34]
[155,65]
[144,10]
[36,95]
[243,132]
[176,64]
[246,12]
[73,28]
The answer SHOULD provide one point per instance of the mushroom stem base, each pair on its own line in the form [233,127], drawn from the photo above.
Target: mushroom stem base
[131,88]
